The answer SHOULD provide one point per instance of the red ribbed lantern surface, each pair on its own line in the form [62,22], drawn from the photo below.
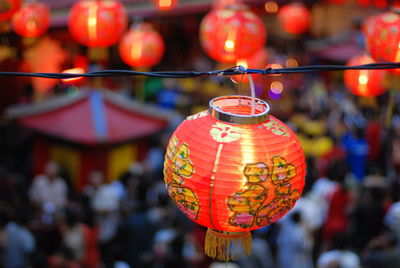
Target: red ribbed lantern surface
[365,83]
[142,46]
[234,172]
[294,18]
[383,37]
[97,23]
[232,32]
[32,20]
[8,8]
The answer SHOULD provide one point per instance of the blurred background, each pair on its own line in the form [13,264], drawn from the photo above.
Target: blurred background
[81,182]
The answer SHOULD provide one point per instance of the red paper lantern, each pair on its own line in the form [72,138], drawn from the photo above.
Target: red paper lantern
[8,8]
[142,46]
[165,4]
[234,172]
[32,20]
[231,33]
[383,37]
[97,23]
[365,83]
[294,18]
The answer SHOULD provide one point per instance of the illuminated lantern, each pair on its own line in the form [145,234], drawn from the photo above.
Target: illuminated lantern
[383,37]
[142,46]
[231,33]
[32,20]
[97,23]
[233,172]
[294,18]
[365,83]
[8,8]
[165,4]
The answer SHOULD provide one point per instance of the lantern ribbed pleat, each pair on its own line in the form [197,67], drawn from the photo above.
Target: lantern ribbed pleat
[233,178]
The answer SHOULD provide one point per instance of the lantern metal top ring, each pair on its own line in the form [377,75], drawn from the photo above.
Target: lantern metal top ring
[235,109]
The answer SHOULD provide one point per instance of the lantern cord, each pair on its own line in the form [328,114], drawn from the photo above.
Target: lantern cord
[225,72]
[253,94]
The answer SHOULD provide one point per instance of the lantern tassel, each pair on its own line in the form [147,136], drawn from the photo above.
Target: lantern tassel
[226,246]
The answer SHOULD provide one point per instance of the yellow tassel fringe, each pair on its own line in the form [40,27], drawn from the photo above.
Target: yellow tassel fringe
[226,246]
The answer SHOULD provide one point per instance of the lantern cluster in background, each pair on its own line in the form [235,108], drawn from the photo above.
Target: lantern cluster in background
[142,46]
[294,18]
[8,9]
[96,23]
[234,172]
[383,37]
[365,83]
[165,4]
[32,20]
[231,33]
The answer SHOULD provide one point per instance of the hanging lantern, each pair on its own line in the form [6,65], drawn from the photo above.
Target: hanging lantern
[234,172]
[165,4]
[383,37]
[141,46]
[365,83]
[32,20]
[97,23]
[231,33]
[8,8]
[294,18]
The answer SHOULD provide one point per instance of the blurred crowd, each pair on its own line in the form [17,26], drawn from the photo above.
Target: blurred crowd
[348,216]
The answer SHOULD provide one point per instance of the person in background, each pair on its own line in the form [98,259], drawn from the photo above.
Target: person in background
[339,255]
[18,242]
[294,243]
[381,252]
[49,190]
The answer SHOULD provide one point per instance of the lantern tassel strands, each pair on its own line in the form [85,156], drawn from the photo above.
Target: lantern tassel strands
[226,246]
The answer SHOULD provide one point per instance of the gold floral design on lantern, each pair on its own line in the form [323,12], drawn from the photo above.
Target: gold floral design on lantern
[181,167]
[198,115]
[225,133]
[277,128]
[246,203]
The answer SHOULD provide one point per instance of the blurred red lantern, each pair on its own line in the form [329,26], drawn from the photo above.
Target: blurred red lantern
[97,23]
[231,33]
[365,83]
[8,8]
[165,4]
[142,46]
[32,20]
[234,172]
[383,37]
[294,18]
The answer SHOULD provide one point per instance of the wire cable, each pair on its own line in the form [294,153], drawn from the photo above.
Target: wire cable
[235,70]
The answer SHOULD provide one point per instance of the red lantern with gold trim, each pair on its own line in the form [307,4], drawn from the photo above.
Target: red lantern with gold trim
[383,37]
[32,20]
[165,5]
[294,18]
[142,46]
[231,33]
[233,171]
[365,83]
[97,23]
[8,8]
